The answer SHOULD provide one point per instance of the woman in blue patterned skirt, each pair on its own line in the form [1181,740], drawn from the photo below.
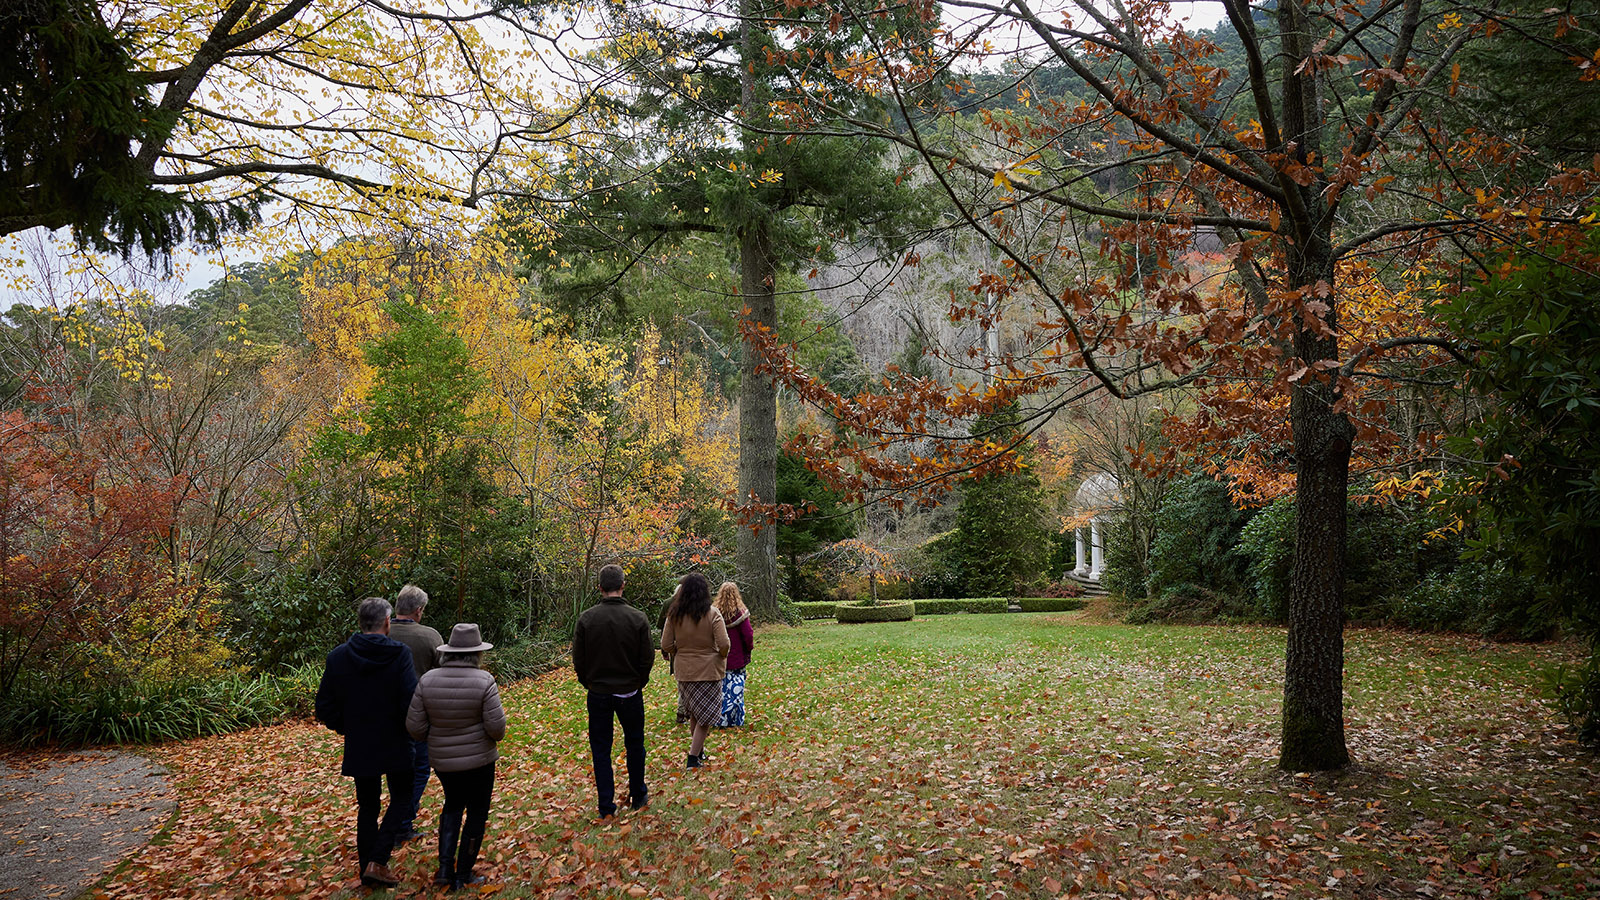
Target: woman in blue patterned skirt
[742,636]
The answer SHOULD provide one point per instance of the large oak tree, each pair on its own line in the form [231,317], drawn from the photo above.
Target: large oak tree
[1317,169]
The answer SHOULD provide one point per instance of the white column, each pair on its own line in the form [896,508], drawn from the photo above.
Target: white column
[1097,550]
[1083,563]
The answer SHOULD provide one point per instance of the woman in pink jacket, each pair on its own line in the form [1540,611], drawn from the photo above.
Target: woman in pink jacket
[695,642]
[742,638]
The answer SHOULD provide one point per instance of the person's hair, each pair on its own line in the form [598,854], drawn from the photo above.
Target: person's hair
[372,613]
[476,656]
[694,598]
[729,601]
[611,578]
[411,599]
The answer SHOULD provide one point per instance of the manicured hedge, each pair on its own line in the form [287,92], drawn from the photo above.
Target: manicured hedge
[901,611]
[963,605]
[817,609]
[1049,604]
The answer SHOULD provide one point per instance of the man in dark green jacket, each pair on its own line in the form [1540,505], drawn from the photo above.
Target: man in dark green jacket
[364,695]
[612,655]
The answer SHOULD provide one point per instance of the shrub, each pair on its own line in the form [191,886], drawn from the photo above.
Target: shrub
[961,605]
[789,610]
[1483,599]
[1124,574]
[1187,604]
[1267,543]
[521,658]
[933,570]
[139,713]
[1049,604]
[1576,694]
[1397,572]
[293,618]
[1059,590]
[1196,544]
[820,609]
[882,612]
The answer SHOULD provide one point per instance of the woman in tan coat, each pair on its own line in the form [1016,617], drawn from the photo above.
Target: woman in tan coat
[456,708]
[695,642]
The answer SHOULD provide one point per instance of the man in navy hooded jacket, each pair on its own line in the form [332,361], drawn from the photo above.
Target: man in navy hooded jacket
[364,694]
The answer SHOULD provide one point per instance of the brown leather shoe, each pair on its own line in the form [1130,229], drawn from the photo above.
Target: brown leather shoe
[379,874]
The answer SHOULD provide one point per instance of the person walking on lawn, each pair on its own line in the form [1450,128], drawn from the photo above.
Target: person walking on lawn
[457,711]
[365,691]
[612,657]
[742,637]
[695,641]
[407,628]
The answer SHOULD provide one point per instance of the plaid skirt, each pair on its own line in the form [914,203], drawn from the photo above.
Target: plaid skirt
[700,702]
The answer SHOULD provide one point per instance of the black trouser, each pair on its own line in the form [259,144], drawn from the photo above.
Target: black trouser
[374,842]
[419,757]
[468,792]
[630,712]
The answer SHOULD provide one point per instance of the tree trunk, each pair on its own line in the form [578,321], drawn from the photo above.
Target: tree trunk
[1313,677]
[756,553]
[1313,672]
[756,547]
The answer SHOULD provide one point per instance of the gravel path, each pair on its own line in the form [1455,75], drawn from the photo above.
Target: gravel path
[67,818]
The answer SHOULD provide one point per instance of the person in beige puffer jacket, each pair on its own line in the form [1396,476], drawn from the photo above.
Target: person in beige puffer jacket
[457,709]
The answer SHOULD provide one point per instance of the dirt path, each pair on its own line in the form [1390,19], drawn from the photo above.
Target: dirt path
[67,818]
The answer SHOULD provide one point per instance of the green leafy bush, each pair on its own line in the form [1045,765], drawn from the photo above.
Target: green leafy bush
[1486,599]
[37,713]
[1049,604]
[1059,590]
[522,658]
[1124,574]
[1187,605]
[293,619]
[818,609]
[1196,547]
[933,569]
[1267,543]
[882,612]
[788,610]
[961,605]
[1397,572]
[1576,693]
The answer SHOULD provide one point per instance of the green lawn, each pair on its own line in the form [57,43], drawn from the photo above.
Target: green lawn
[998,756]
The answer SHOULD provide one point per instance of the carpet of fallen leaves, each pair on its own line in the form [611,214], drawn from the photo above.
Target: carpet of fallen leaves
[983,756]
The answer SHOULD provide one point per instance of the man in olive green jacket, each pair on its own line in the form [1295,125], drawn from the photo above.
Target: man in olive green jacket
[407,628]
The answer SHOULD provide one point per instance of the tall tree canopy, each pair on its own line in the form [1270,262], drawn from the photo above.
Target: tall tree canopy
[716,141]
[140,125]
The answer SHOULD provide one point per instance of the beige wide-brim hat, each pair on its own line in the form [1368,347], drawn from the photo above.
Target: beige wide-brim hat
[465,638]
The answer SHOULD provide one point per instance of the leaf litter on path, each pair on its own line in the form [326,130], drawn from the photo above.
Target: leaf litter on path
[967,756]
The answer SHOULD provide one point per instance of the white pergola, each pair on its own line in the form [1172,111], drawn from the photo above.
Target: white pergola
[1098,496]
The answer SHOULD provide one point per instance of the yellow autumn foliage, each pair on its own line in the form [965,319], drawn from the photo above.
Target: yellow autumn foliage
[602,437]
